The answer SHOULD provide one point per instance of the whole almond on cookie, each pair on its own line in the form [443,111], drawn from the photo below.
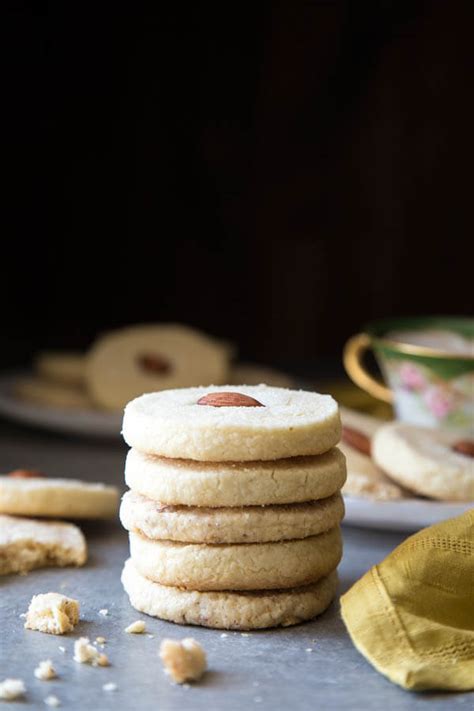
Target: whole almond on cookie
[464,446]
[229,399]
[26,474]
[356,439]
[154,363]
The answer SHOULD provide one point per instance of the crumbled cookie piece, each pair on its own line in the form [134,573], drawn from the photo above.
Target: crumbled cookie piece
[52,701]
[104,612]
[52,613]
[137,627]
[45,670]
[86,653]
[100,640]
[183,660]
[11,689]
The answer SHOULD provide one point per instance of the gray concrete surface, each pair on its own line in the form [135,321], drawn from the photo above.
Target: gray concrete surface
[268,670]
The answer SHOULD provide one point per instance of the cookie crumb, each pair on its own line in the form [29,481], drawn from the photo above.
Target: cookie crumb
[244,634]
[110,686]
[11,689]
[224,635]
[52,613]
[45,670]
[100,640]
[183,660]
[150,636]
[62,649]
[52,701]
[104,612]
[309,649]
[85,653]
[137,627]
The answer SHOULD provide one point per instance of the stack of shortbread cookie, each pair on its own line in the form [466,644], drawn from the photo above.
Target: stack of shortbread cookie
[234,508]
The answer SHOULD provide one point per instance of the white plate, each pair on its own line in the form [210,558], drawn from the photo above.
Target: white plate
[401,515]
[90,423]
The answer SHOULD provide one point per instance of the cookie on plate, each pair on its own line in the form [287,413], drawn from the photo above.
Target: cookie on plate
[147,358]
[364,478]
[229,610]
[252,374]
[27,543]
[41,391]
[432,462]
[63,367]
[229,423]
[24,494]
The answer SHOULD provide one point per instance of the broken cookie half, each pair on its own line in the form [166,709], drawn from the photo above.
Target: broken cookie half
[26,544]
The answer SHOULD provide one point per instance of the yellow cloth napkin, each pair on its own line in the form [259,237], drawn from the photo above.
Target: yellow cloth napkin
[412,616]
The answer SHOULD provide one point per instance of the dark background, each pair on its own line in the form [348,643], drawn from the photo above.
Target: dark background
[274,173]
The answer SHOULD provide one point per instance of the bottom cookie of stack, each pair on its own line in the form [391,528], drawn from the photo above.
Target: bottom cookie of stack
[233,610]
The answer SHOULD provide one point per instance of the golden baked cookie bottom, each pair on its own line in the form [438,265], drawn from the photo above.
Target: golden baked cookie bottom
[228,610]
[247,524]
[239,566]
[214,484]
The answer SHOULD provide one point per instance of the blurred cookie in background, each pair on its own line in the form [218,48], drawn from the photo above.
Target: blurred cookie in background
[431,462]
[253,374]
[42,391]
[62,367]
[364,478]
[145,358]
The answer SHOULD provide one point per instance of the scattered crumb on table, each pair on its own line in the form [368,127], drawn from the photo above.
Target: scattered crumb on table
[137,627]
[86,653]
[45,670]
[184,660]
[11,689]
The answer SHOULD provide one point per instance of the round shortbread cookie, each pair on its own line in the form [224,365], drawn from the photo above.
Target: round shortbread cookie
[228,610]
[65,368]
[189,483]
[248,524]
[57,498]
[424,461]
[239,566]
[290,423]
[51,394]
[145,358]
[26,544]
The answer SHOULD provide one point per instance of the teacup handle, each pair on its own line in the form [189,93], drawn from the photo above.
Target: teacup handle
[353,363]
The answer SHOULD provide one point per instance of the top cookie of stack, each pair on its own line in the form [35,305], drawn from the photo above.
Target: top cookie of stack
[233,491]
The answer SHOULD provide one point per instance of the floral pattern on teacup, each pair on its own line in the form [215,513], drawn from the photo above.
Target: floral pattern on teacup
[424,398]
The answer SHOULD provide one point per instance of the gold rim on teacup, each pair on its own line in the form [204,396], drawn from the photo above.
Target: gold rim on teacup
[375,339]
